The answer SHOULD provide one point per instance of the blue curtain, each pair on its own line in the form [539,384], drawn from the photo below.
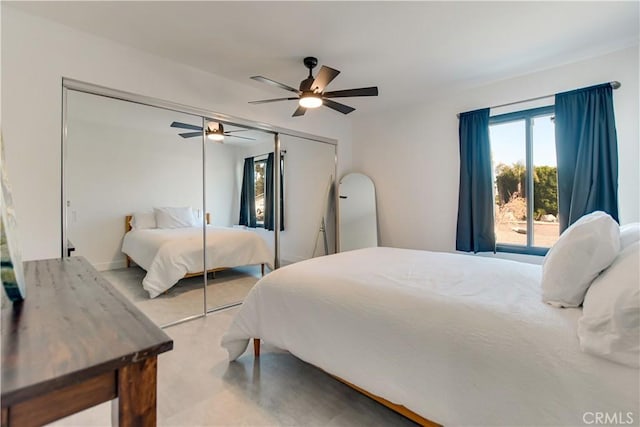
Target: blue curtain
[587,153]
[247,195]
[270,196]
[475,231]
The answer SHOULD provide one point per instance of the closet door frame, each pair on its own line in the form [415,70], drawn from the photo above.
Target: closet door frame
[206,115]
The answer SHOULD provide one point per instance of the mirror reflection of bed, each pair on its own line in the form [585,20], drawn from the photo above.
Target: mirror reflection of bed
[137,163]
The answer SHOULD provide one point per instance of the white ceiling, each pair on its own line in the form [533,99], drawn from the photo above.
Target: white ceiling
[102,111]
[410,50]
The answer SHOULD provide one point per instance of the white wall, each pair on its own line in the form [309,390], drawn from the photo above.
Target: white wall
[113,172]
[37,53]
[123,158]
[412,154]
[223,185]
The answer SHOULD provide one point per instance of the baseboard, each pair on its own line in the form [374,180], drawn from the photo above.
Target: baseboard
[110,265]
[291,260]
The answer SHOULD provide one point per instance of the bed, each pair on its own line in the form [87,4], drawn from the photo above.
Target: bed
[169,255]
[444,338]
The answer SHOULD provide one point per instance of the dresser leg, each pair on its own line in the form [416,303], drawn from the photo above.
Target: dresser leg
[256,347]
[5,417]
[136,402]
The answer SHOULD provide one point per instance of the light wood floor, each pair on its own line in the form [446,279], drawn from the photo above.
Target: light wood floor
[186,297]
[197,386]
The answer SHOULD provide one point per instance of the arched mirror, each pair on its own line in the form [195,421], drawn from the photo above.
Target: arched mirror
[358,219]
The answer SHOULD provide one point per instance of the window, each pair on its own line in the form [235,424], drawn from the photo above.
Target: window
[525,181]
[260,168]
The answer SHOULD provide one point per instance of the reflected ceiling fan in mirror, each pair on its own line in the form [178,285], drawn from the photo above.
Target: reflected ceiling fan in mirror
[311,93]
[215,131]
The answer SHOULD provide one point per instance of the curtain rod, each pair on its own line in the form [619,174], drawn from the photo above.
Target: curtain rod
[614,85]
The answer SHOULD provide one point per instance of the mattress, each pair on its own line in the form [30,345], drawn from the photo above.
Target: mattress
[458,339]
[169,254]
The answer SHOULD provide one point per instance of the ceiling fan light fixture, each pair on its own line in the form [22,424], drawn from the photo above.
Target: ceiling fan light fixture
[310,100]
[215,132]
[311,93]
[213,136]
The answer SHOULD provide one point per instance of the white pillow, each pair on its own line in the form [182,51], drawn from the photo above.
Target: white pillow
[175,217]
[143,220]
[586,248]
[610,322]
[629,233]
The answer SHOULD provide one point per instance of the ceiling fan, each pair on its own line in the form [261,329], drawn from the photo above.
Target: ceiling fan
[311,93]
[215,131]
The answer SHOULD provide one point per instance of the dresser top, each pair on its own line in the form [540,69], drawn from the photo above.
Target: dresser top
[71,326]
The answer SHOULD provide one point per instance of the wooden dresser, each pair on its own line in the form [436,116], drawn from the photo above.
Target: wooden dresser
[76,342]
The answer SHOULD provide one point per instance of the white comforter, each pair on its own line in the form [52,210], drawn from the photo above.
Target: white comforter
[461,340]
[168,254]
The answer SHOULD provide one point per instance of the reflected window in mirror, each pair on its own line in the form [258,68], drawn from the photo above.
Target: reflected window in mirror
[259,166]
[257,192]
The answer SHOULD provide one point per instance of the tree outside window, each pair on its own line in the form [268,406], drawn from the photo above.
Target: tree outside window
[259,174]
[525,180]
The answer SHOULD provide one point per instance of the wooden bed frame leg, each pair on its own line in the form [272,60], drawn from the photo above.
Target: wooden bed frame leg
[128,262]
[256,347]
[262,269]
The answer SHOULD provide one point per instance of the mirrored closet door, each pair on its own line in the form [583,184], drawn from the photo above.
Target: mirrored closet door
[309,213]
[239,197]
[183,210]
[134,202]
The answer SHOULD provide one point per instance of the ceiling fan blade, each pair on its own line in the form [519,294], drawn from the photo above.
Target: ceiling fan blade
[239,137]
[299,111]
[236,130]
[324,77]
[190,134]
[274,83]
[363,91]
[264,101]
[306,84]
[185,126]
[345,109]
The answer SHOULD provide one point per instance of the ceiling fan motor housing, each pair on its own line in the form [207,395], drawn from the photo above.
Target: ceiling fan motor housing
[214,127]
[310,62]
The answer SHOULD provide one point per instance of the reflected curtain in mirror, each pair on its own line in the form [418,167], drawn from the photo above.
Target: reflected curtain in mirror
[587,151]
[247,195]
[269,219]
